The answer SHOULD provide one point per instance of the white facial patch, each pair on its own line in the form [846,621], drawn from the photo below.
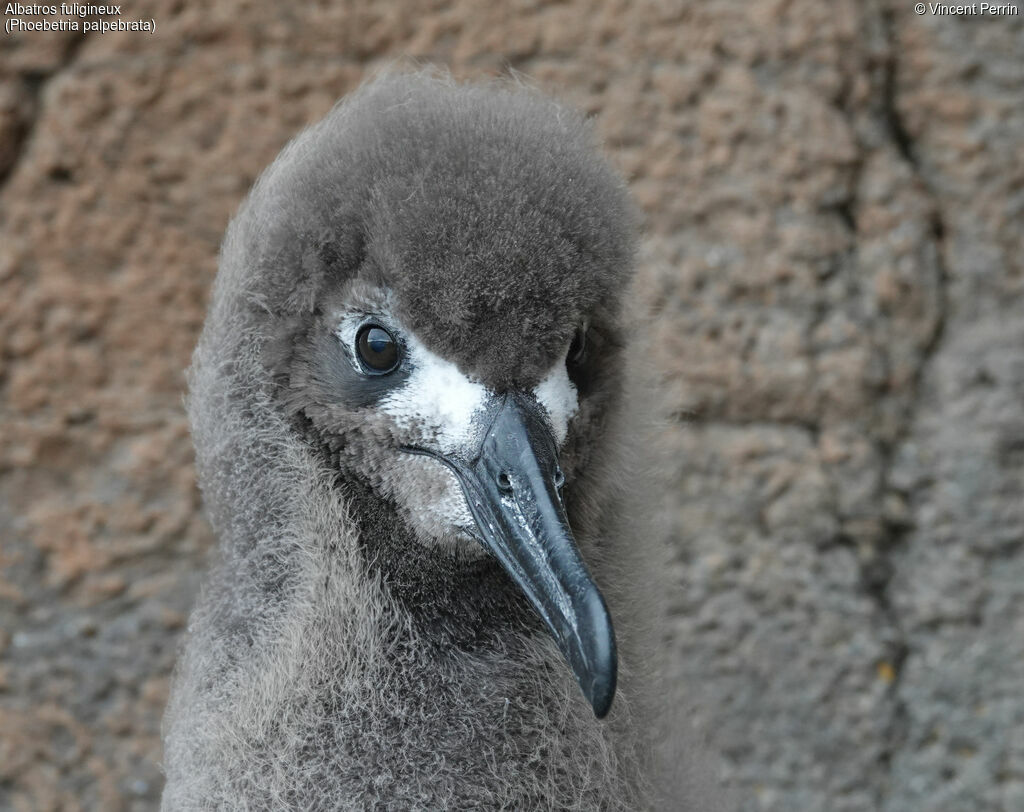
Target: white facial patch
[440,409]
[435,504]
[557,395]
[437,398]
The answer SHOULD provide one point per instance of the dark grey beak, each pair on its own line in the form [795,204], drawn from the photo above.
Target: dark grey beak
[512,486]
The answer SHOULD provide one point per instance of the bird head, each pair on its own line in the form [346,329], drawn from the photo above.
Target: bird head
[433,275]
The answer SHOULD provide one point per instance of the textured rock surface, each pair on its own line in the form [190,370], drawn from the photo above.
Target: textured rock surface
[835,205]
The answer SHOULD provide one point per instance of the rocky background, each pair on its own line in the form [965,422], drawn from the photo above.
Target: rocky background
[834,254]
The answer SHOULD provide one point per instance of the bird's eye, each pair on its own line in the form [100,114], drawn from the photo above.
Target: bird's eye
[377,349]
[578,348]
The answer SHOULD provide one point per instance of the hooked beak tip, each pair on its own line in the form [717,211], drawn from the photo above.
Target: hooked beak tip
[601,695]
[596,663]
[512,491]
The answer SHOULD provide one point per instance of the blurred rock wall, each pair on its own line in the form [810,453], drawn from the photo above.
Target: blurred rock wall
[834,194]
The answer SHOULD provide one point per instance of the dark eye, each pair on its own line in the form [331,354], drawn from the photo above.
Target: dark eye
[377,349]
[578,348]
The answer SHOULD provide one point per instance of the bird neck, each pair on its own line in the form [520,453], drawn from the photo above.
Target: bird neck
[450,601]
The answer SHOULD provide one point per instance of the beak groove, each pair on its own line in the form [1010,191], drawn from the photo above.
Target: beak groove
[512,487]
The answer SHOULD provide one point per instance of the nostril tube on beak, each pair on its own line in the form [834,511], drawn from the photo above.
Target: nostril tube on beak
[504,482]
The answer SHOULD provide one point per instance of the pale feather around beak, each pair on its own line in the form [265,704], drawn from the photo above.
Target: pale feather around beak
[512,486]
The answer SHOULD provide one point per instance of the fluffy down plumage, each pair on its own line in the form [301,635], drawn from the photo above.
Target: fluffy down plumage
[347,650]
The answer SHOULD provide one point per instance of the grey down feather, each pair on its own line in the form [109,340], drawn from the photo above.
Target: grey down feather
[347,651]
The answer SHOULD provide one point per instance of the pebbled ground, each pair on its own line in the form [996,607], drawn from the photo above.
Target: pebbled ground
[834,196]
